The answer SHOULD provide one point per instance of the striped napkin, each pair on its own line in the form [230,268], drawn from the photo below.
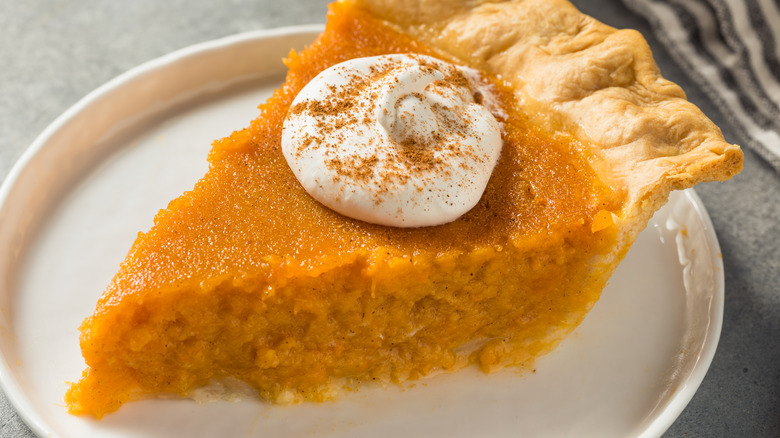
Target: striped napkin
[731,48]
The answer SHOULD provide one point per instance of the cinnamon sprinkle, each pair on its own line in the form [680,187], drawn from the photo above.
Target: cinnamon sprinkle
[348,108]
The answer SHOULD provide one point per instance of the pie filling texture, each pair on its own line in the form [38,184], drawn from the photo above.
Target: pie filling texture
[248,278]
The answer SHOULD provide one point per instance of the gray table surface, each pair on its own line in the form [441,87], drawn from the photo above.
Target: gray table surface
[52,53]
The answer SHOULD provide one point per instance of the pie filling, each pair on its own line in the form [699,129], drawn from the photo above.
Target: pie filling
[248,277]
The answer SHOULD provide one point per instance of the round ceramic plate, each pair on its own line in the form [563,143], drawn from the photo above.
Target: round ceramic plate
[72,206]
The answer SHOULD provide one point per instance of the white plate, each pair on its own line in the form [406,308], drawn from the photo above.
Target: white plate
[71,208]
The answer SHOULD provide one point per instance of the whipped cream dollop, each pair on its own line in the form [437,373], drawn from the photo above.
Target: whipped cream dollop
[397,140]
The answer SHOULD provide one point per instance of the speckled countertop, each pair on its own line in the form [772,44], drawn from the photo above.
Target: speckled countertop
[54,53]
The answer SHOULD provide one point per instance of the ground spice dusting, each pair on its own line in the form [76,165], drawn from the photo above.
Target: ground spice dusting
[351,107]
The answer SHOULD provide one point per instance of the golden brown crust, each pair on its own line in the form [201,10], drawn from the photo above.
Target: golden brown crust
[595,81]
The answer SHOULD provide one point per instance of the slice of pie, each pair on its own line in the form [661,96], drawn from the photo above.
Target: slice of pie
[248,278]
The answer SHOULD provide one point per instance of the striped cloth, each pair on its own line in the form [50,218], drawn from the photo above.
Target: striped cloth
[731,48]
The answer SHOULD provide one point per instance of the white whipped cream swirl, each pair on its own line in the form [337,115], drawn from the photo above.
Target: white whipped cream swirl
[397,140]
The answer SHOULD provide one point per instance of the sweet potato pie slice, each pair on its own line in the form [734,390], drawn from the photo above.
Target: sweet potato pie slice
[248,278]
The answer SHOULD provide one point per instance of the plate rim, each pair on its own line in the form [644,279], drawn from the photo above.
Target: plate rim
[675,406]
[20,400]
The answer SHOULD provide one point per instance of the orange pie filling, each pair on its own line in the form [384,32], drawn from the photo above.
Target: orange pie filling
[248,277]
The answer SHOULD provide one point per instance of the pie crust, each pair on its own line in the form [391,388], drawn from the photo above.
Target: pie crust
[582,76]
[247,278]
